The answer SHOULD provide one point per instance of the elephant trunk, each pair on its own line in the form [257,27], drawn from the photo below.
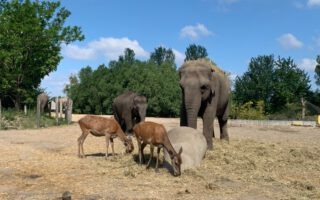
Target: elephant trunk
[192,105]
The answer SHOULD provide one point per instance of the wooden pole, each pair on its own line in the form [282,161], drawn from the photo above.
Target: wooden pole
[38,112]
[303,114]
[57,111]
[25,109]
[69,110]
[61,106]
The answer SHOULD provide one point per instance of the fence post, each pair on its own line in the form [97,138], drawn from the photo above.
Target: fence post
[25,109]
[38,112]
[69,110]
[57,111]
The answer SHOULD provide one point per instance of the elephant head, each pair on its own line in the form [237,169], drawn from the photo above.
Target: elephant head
[198,89]
[139,109]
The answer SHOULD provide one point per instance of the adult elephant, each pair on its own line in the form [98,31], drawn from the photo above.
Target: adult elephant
[205,93]
[129,109]
[42,100]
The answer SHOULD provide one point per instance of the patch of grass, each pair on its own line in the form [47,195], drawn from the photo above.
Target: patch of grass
[12,119]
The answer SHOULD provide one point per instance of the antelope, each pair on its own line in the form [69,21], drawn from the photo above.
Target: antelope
[101,126]
[156,135]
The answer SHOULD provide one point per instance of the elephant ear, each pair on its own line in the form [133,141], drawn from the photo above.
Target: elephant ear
[213,83]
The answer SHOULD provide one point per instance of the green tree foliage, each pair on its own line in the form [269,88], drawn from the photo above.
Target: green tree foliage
[194,52]
[257,83]
[290,84]
[277,83]
[161,55]
[317,71]
[31,34]
[93,91]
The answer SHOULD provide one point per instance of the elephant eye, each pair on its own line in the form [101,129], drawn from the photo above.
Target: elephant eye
[204,88]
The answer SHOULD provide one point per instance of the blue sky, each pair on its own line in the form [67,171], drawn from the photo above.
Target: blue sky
[232,31]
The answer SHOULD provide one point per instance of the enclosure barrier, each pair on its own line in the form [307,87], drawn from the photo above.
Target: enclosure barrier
[239,122]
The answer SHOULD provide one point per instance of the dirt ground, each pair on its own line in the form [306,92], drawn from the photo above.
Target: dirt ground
[257,163]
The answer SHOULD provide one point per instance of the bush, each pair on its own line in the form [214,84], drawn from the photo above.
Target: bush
[249,110]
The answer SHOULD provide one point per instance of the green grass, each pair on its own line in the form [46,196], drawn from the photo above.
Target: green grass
[12,119]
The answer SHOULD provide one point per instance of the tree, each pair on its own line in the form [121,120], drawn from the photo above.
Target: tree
[256,84]
[93,91]
[161,55]
[194,52]
[31,34]
[278,83]
[317,71]
[290,84]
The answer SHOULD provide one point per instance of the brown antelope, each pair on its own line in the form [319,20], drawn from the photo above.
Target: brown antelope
[101,126]
[156,135]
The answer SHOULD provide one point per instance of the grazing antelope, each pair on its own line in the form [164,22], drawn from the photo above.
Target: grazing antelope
[156,135]
[101,126]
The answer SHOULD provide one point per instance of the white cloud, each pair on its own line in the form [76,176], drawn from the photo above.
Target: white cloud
[78,53]
[195,32]
[313,3]
[289,41]
[109,47]
[307,64]
[179,57]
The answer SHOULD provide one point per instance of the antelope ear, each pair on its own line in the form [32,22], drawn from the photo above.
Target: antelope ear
[180,151]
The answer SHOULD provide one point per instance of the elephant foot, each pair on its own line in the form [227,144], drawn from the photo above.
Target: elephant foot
[225,137]
[210,147]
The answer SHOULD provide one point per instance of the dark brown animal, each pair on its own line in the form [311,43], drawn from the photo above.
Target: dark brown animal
[101,126]
[156,135]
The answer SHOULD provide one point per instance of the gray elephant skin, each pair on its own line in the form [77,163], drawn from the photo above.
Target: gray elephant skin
[129,109]
[193,143]
[205,93]
[43,99]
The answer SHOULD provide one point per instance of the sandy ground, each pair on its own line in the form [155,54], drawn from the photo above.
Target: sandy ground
[257,163]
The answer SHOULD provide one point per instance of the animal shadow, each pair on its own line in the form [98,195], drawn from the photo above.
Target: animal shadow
[162,164]
[100,155]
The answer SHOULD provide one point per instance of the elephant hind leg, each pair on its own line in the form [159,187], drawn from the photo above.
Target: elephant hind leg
[223,124]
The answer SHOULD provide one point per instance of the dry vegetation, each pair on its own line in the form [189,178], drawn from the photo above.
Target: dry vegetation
[258,163]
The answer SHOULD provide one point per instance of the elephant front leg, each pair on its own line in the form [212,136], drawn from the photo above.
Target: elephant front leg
[128,122]
[208,129]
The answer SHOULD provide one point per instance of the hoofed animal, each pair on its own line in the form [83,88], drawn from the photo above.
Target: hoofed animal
[42,100]
[205,93]
[101,126]
[156,135]
[129,108]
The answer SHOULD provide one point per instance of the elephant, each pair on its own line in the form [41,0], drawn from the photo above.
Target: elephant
[129,109]
[42,100]
[205,93]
